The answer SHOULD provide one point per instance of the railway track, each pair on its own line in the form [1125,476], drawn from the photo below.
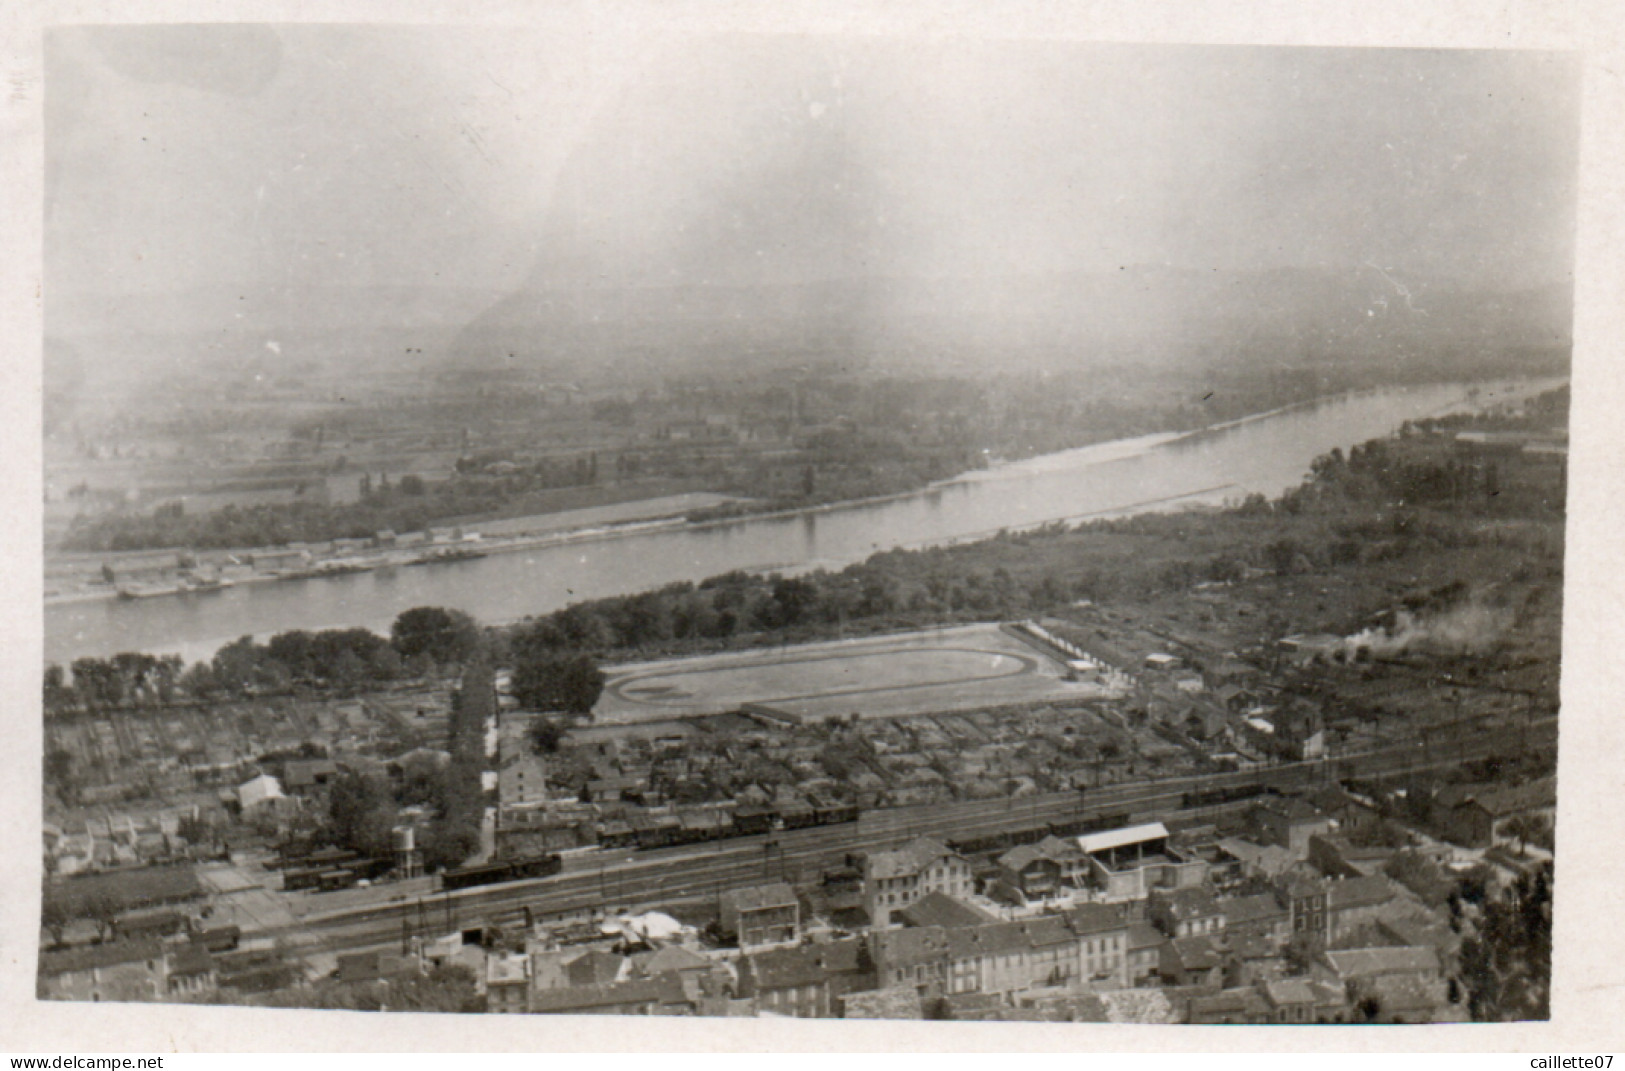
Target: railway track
[696,871]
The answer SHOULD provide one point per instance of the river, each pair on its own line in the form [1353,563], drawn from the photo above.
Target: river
[1266,454]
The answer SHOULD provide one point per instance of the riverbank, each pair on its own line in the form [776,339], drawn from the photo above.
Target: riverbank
[518,577]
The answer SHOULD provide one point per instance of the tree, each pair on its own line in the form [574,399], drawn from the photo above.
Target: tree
[59,776]
[1524,828]
[444,635]
[54,915]
[567,683]
[360,814]
[1506,966]
[545,735]
[101,908]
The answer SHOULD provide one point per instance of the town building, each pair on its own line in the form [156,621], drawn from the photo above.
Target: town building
[1188,912]
[1127,863]
[761,916]
[893,880]
[116,971]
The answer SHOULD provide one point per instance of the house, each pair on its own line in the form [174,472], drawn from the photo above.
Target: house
[807,982]
[662,995]
[306,777]
[787,981]
[1237,1005]
[1473,815]
[1190,912]
[1102,934]
[119,971]
[1268,861]
[259,793]
[522,778]
[1142,952]
[192,971]
[365,967]
[898,1002]
[1401,984]
[1029,871]
[1290,822]
[1191,961]
[594,967]
[507,984]
[1362,964]
[1336,856]
[761,916]
[1305,898]
[893,880]
[1354,902]
[1402,999]
[670,959]
[1127,863]
[256,971]
[939,909]
[1302,1000]
[914,956]
[1260,916]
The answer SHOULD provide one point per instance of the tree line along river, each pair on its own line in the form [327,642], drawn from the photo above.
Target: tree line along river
[1266,454]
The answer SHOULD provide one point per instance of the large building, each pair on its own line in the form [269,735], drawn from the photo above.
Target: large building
[762,916]
[893,880]
[1128,863]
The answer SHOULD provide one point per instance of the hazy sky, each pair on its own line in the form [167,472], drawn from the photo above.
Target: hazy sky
[184,157]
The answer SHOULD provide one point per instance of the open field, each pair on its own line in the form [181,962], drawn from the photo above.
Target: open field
[886,676]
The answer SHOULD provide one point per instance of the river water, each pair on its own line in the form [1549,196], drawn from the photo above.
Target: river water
[1266,454]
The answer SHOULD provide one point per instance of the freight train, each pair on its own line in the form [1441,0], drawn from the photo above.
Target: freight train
[673,831]
[467,877]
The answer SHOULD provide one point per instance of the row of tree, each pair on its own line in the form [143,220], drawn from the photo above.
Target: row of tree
[421,642]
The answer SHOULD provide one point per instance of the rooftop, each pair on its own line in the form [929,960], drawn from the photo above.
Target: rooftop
[111,954]
[760,897]
[1121,838]
[940,909]
[906,861]
[1374,962]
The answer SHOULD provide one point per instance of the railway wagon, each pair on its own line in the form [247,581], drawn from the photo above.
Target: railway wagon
[467,877]
[830,814]
[305,878]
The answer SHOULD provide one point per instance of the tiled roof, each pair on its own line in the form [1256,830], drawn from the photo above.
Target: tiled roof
[1196,953]
[191,959]
[761,897]
[1087,919]
[1191,904]
[901,1002]
[1284,991]
[787,968]
[111,954]
[668,959]
[664,990]
[940,909]
[1241,910]
[912,945]
[907,860]
[1142,936]
[1047,931]
[1536,795]
[1022,856]
[1351,893]
[594,968]
[997,939]
[1374,962]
